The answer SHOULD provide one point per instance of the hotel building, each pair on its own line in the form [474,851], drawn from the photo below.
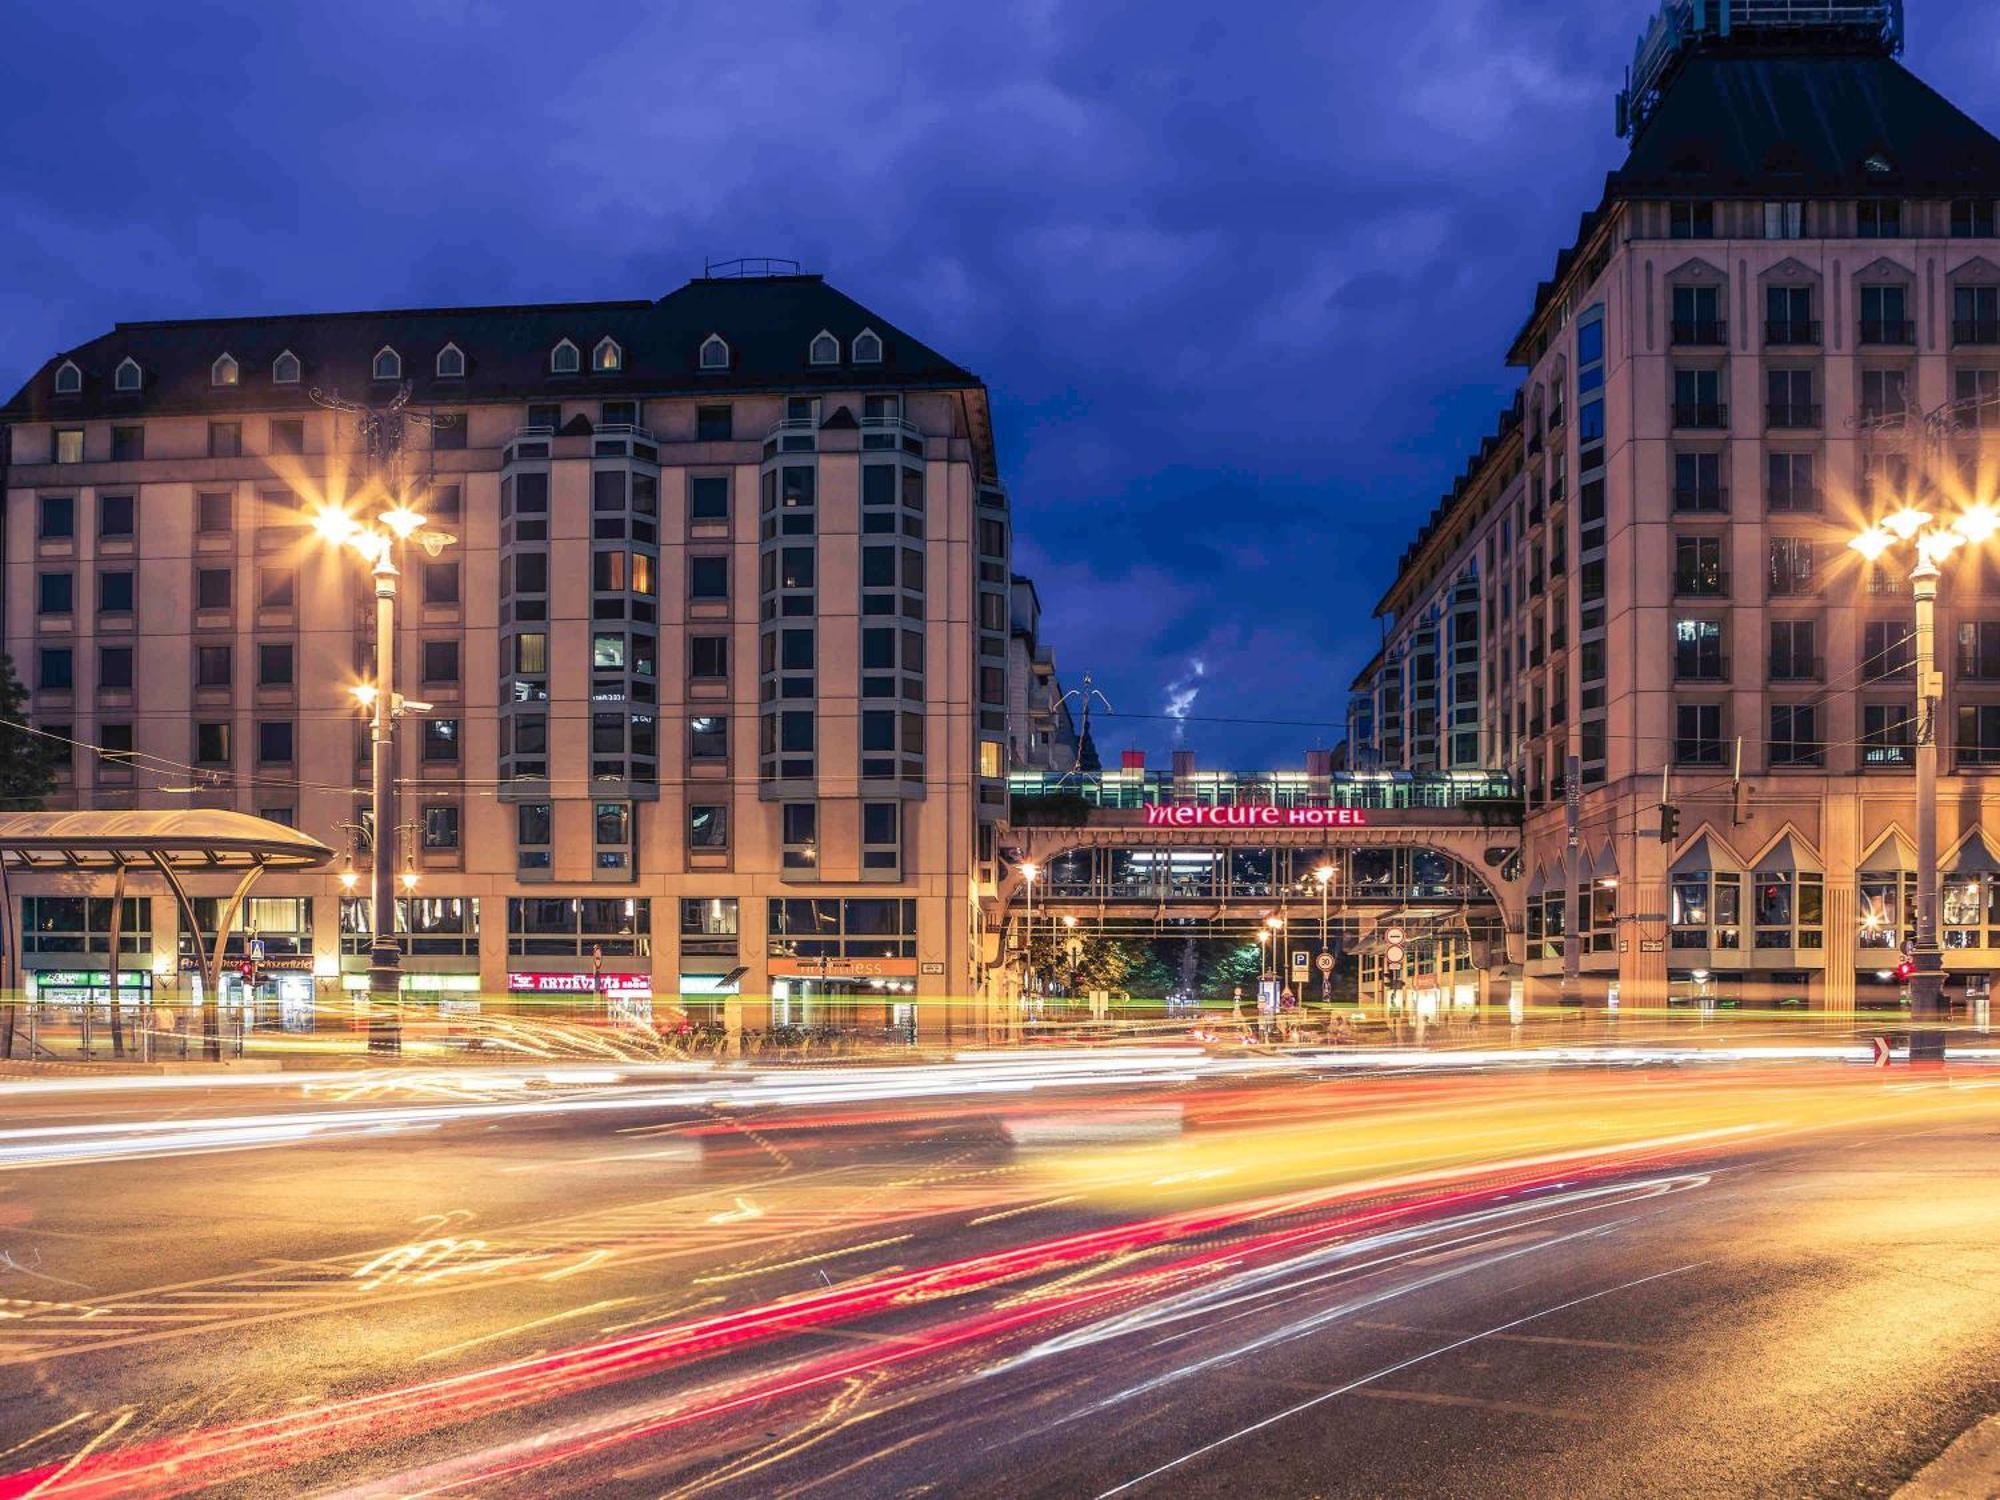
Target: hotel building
[1781,321]
[714,663]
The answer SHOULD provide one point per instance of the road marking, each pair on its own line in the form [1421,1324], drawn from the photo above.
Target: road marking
[1615,1345]
[487,1338]
[1349,1387]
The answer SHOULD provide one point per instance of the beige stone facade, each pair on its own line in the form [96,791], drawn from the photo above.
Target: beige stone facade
[715,662]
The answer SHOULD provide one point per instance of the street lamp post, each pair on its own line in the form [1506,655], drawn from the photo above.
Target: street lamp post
[378,545]
[1028,873]
[1324,875]
[1932,540]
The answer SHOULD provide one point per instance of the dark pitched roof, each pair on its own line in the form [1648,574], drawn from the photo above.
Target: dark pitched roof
[1491,448]
[768,322]
[1734,124]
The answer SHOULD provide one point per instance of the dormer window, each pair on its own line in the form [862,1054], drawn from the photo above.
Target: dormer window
[714,353]
[69,379]
[224,371]
[451,363]
[388,364]
[825,349]
[565,359]
[607,358]
[868,347]
[128,376]
[284,369]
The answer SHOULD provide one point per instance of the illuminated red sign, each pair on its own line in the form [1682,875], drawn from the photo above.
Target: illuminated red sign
[1187,816]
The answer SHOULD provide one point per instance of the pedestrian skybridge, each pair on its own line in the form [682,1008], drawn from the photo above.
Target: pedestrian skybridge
[1216,853]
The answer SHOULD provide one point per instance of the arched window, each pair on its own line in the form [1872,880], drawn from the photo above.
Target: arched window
[607,357]
[69,379]
[868,347]
[128,376]
[564,359]
[451,362]
[224,371]
[388,364]
[284,369]
[714,353]
[825,349]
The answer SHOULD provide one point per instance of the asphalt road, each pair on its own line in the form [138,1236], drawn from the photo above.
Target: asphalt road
[1092,1279]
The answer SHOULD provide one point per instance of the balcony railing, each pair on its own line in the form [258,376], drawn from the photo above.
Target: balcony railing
[1701,585]
[1787,668]
[1888,331]
[1791,331]
[1701,669]
[1700,332]
[1790,498]
[892,432]
[1782,415]
[1975,330]
[1701,414]
[1711,498]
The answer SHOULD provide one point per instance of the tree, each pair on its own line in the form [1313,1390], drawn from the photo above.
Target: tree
[27,760]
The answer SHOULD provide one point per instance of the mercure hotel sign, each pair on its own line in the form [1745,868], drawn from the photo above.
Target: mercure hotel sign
[1187,816]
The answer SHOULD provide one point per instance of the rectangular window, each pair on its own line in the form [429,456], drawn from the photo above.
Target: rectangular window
[1888,649]
[1793,657]
[708,497]
[213,588]
[1879,219]
[708,825]
[708,578]
[440,740]
[440,826]
[212,666]
[713,424]
[448,431]
[1888,734]
[1698,567]
[1793,566]
[880,837]
[1698,734]
[1784,221]
[1788,396]
[708,656]
[1972,219]
[1794,735]
[708,737]
[55,669]
[1698,651]
[274,742]
[288,435]
[128,444]
[55,593]
[114,591]
[440,583]
[66,445]
[115,516]
[214,513]
[440,662]
[1691,219]
[800,826]
[225,439]
[1789,486]
[56,518]
[114,668]
[1698,483]
[211,743]
[274,664]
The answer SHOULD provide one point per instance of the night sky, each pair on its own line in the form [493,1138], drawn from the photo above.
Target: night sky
[1241,288]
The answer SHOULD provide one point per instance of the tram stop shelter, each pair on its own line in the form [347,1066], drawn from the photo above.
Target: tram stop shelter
[177,845]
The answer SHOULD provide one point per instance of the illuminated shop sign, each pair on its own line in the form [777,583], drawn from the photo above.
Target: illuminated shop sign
[1189,816]
[581,984]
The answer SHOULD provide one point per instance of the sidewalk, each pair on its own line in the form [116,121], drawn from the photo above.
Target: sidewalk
[1968,1470]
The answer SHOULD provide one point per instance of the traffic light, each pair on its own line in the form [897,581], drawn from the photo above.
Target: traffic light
[1670,822]
[1904,970]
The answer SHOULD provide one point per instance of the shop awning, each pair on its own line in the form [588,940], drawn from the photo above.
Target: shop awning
[188,841]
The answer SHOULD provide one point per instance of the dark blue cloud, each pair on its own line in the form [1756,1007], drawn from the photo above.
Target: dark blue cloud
[1241,282]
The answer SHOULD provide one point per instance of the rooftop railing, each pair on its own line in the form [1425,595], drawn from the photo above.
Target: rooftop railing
[1365,789]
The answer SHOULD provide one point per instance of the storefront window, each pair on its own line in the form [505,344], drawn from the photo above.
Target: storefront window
[1888,902]
[447,925]
[574,927]
[1962,905]
[283,924]
[831,928]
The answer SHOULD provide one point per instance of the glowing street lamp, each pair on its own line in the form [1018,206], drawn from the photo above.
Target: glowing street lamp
[1029,871]
[1324,875]
[1931,540]
[379,543]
